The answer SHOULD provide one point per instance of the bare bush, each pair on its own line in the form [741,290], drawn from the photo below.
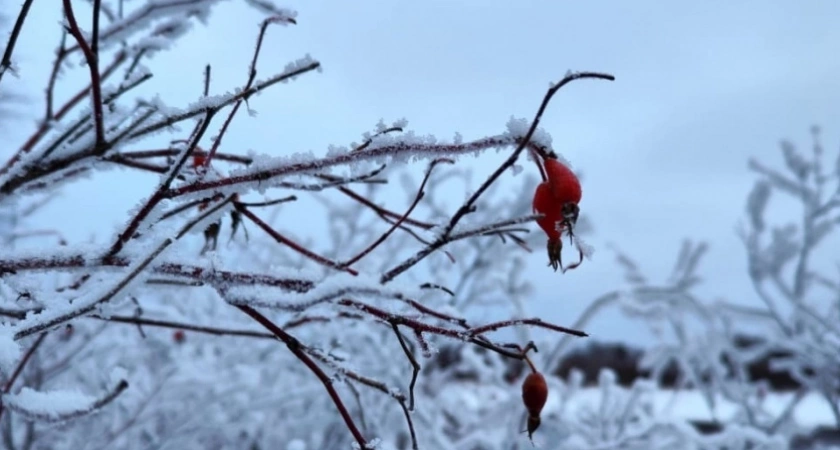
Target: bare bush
[352,313]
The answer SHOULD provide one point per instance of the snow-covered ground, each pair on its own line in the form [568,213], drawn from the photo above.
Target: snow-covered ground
[569,410]
[812,410]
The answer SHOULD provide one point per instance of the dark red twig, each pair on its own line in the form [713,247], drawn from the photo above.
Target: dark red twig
[295,347]
[420,193]
[196,273]
[93,66]
[122,284]
[158,195]
[252,75]
[292,244]
[448,332]
[469,206]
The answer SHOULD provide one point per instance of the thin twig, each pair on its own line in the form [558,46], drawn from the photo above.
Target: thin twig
[38,326]
[6,61]
[19,369]
[295,347]
[420,193]
[415,366]
[252,75]
[93,66]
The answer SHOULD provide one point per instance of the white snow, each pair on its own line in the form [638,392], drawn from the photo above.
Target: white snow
[518,128]
[10,351]
[49,405]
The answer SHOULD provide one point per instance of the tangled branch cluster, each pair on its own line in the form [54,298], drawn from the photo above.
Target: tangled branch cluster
[193,194]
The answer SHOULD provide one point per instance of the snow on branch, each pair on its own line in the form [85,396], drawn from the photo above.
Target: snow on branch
[58,405]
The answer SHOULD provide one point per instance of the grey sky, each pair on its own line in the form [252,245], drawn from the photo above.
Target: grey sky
[700,87]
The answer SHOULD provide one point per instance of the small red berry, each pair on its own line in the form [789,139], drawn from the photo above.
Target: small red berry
[534,396]
[534,393]
[564,183]
[557,200]
[179,336]
[544,203]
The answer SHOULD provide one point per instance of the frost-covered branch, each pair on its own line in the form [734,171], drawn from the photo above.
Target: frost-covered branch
[334,293]
[92,60]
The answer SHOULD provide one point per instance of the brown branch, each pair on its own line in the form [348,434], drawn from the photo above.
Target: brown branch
[117,159]
[444,240]
[439,287]
[382,211]
[49,116]
[334,181]
[438,315]
[371,383]
[94,39]
[369,141]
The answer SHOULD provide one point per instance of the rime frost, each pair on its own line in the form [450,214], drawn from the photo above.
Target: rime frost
[518,129]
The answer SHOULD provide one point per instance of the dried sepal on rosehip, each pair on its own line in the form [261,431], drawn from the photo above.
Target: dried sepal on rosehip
[557,200]
[211,236]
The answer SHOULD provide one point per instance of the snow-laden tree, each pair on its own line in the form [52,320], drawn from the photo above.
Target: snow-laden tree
[210,319]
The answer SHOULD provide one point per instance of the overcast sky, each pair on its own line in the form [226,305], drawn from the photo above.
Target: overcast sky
[701,86]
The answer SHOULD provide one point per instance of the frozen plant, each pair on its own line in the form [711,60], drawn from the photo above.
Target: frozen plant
[797,320]
[262,339]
